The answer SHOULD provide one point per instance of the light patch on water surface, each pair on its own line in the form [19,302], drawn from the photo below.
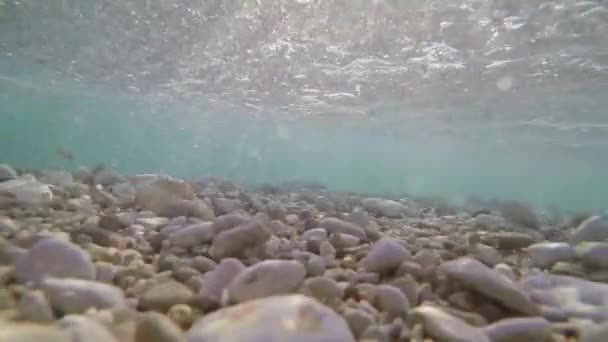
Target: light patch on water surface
[505,83]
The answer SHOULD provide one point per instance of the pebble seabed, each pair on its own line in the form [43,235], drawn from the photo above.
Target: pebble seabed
[95,255]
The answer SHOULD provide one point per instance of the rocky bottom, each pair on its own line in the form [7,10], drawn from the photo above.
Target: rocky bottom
[94,255]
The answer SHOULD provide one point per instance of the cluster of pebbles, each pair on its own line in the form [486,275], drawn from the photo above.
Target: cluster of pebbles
[94,255]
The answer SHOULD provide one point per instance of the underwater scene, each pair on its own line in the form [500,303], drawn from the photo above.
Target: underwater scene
[303,170]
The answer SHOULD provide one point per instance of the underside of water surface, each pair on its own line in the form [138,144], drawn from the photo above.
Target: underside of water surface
[453,99]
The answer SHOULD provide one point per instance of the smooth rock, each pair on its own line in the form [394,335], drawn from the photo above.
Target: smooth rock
[162,296]
[77,295]
[294,318]
[187,208]
[57,178]
[154,327]
[335,226]
[490,283]
[26,190]
[318,234]
[594,228]
[323,289]
[56,258]
[385,255]
[520,214]
[343,241]
[358,320]
[266,278]
[85,329]
[443,326]
[233,242]
[545,254]
[427,258]
[529,329]
[593,254]
[193,235]
[156,193]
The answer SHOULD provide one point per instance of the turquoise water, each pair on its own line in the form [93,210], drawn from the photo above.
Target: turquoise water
[422,119]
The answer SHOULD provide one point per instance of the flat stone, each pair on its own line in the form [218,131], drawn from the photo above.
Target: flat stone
[267,278]
[335,226]
[593,254]
[443,326]
[490,283]
[77,295]
[162,296]
[187,208]
[486,254]
[519,329]
[385,255]
[55,258]
[343,241]
[294,318]
[594,228]
[545,254]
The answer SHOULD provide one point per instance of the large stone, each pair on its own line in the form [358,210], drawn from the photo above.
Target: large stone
[443,326]
[156,193]
[193,235]
[215,281]
[55,258]
[77,295]
[385,255]
[25,332]
[593,254]
[489,282]
[294,318]
[545,254]
[595,228]
[154,327]
[520,214]
[267,278]
[26,190]
[35,307]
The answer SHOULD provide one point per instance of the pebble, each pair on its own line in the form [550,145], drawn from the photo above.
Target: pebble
[427,258]
[216,280]
[314,234]
[233,242]
[35,307]
[56,258]
[520,214]
[187,208]
[358,320]
[294,318]
[384,207]
[594,228]
[76,295]
[385,255]
[593,254]
[343,241]
[85,329]
[546,254]
[193,235]
[162,296]
[335,226]
[390,299]
[491,222]
[444,327]
[490,283]
[226,205]
[152,223]
[155,192]
[486,254]
[324,290]
[266,278]
[519,329]
[155,327]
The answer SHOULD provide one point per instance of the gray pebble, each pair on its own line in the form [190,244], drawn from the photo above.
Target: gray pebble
[85,329]
[444,327]
[193,235]
[519,329]
[358,320]
[315,266]
[486,254]
[595,228]
[390,299]
[325,290]
[593,254]
[334,226]
[154,327]
[233,242]
[216,280]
